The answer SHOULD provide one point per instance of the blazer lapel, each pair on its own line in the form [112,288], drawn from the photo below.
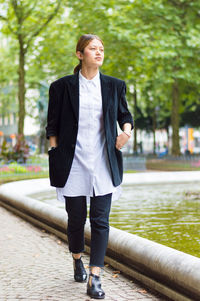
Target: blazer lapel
[73,87]
[106,92]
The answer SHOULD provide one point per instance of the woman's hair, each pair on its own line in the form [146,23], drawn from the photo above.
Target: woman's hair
[83,41]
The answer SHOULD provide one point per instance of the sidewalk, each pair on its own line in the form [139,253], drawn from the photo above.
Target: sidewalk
[35,265]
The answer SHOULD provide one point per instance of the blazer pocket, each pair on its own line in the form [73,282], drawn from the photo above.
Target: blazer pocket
[119,160]
[55,159]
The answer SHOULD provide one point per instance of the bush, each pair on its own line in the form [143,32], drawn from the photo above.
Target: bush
[13,168]
[19,152]
[17,168]
[33,168]
[5,170]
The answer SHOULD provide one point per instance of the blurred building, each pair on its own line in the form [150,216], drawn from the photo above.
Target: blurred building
[189,140]
[9,128]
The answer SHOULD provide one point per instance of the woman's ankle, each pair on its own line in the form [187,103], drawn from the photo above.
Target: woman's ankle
[76,256]
[95,270]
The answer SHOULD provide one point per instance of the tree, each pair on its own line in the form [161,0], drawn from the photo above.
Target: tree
[8,79]
[153,45]
[24,21]
[172,49]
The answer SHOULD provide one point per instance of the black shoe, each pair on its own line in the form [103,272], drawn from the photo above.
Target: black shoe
[94,289]
[80,274]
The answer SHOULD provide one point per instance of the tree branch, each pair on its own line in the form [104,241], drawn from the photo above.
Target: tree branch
[7,21]
[14,5]
[50,17]
[29,11]
[174,2]
[3,18]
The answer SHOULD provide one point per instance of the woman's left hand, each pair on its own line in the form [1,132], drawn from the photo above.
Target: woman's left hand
[121,140]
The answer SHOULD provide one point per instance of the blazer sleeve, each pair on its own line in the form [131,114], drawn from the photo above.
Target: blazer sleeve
[53,113]
[124,115]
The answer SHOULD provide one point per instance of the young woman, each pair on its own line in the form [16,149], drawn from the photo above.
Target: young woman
[85,158]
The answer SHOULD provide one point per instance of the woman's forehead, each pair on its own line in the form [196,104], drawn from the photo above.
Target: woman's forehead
[95,42]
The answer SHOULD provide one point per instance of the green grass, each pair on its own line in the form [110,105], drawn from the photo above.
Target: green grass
[7,179]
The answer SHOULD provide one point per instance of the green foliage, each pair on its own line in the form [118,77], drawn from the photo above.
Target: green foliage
[15,171]
[21,149]
[23,22]
[8,78]
[19,152]
[5,151]
[150,44]
[17,168]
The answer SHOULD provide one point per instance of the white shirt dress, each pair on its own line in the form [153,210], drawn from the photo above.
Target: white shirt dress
[90,172]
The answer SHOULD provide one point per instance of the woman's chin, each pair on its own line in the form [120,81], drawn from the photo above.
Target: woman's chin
[99,63]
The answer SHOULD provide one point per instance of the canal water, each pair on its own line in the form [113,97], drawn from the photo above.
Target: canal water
[165,213]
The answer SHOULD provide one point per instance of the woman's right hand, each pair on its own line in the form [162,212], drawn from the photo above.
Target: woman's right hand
[121,140]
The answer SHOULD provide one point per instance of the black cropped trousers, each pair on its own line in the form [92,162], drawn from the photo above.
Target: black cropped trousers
[76,208]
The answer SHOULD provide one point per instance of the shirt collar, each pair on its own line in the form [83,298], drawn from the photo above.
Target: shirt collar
[95,80]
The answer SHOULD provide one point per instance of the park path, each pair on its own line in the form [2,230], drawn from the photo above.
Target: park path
[36,265]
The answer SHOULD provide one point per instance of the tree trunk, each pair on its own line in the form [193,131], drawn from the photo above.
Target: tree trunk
[168,139]
[154,131]
[135,115]
[175,119]
[21,88]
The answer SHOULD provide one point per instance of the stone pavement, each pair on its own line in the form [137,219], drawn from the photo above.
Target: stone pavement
[36,265]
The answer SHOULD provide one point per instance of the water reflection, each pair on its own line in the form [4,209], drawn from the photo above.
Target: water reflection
[165,213]
[168,214]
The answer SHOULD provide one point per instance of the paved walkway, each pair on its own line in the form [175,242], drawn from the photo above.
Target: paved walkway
[35,265]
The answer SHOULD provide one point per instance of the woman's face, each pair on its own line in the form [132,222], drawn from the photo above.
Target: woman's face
[93,54]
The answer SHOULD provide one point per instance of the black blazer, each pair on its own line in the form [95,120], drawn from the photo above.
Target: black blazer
[63,117]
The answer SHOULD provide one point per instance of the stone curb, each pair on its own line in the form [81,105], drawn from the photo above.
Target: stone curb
[164,177]
[171,272]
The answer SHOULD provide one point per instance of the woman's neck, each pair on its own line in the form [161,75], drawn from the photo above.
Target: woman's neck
[89,73]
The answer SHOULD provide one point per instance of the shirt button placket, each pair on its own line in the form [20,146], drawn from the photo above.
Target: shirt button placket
[92,134]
